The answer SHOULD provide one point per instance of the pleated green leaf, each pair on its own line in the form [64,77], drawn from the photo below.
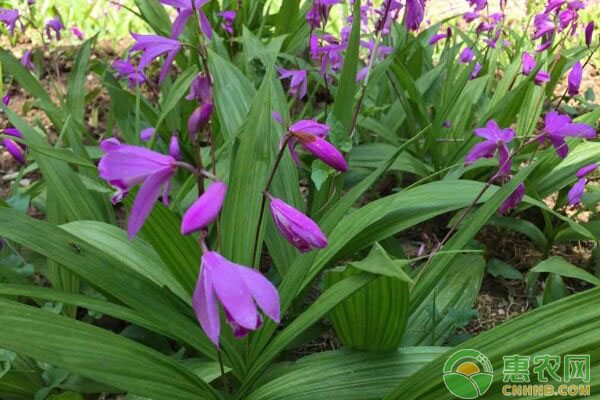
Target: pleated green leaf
[558,265]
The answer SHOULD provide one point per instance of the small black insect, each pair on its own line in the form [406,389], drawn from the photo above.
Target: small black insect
[75,247]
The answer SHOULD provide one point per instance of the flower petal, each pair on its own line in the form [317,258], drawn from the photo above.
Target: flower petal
[263,292]
[206,308]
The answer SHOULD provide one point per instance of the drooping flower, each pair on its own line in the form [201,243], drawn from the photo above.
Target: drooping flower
[56,25]
[228,20]
[436,38]
[126,70]
[554,5]
[310,135]
[496,140]
[298,84]
[528,63]
[16,150]
[319,12]
[415,11]
[26,61]
[589,33]
[567,17]
[466,56]
[239,289]
[205,209]
[558,127]
[478,4]
[174,149]
[77,33]
[146,134]
[575,77]
[6,99]
[541,77]
[543,26]
[199,118]
[125,166]
[200,90]
[513,200]
[10,18]
[301,231]
[470,16]
[575,193]
[476,70]
[154,46]
[185,11]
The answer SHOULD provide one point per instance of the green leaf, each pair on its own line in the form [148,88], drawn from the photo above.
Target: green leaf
[554,289]
[558,265]
[155,15]
[58,153]
[346,374]
[178,90]
[98,354]
[499,268]
[77,81]
[379,263]
[522,226]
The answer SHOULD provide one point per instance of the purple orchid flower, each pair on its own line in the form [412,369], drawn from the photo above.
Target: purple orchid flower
[154,46]
[26,61]
[186,10]
[125,166]
[560,126]
[554,5]
[566,18]
[239,289]
[495,142]
[589,33]
[476,70]
[528,63]
[575,77]
[16,150]
[466,56]
[10,18]
[319,12]
[301,231]
[478,4]
[298,84]
[544,45]
[470,16]
[541,77]
[576,192]
[205,209]
[174,149]
[77,33]
[199,118]
[310,135]
[436,38]
[415,11]
[146,134]
[543,26]
[513,200]
[6,99]
[277,117]
[126,70]
[56,25]
[228,20]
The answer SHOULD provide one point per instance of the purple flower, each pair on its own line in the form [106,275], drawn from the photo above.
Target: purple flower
[476,70]
[174,150]
[26,61]
[478,4]
[301,231]
[470,16]
[277,117]
[496,140]
[228,19]
[16,150]
[199,119]
[436,38]
[560,126]
[528,63]
[543,26]
[154,46]
[185,11]
[204,210]
[77,33]
[200,90]
[298,84]
[466,56]
[126,70]
[589,32]
[415,11]
[541,77]
[55,25]
[513,200]
[544,46]
[6,99]
[554,5]
[566,17]
[125,166]
[10,18]
[575,77]
[146,134]
[319,12]
[239,289]
[310,135]
[577,190]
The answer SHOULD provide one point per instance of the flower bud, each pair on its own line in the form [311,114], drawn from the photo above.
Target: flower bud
[199,119]
[174,150]
[204,210]
[589,32]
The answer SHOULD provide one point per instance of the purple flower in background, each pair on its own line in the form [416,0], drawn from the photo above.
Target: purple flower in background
[560,126]
[478,4]
[496,140]
[10,18]
[154,46]
[77,33]
[174,150]
[589,33]
[513,200]
[16,150]
[544,46]
[30,2]
[310,135]
[185,11]
[6,99]
[200,90]
[528,63]
[319,12]
[415,11]
[205,209]
[239,289]
[476,70]
[298,84]
[470,16]
[277,117]
[126,70]
[26,61]
[575,77]
[541,77]
[577,190]
[147,134]
[55,25]
[301,231]
[567,17]
[199,119]
[125,166]
[543,26]
[436,38]
[554,5]
[228,20]
[466,56]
